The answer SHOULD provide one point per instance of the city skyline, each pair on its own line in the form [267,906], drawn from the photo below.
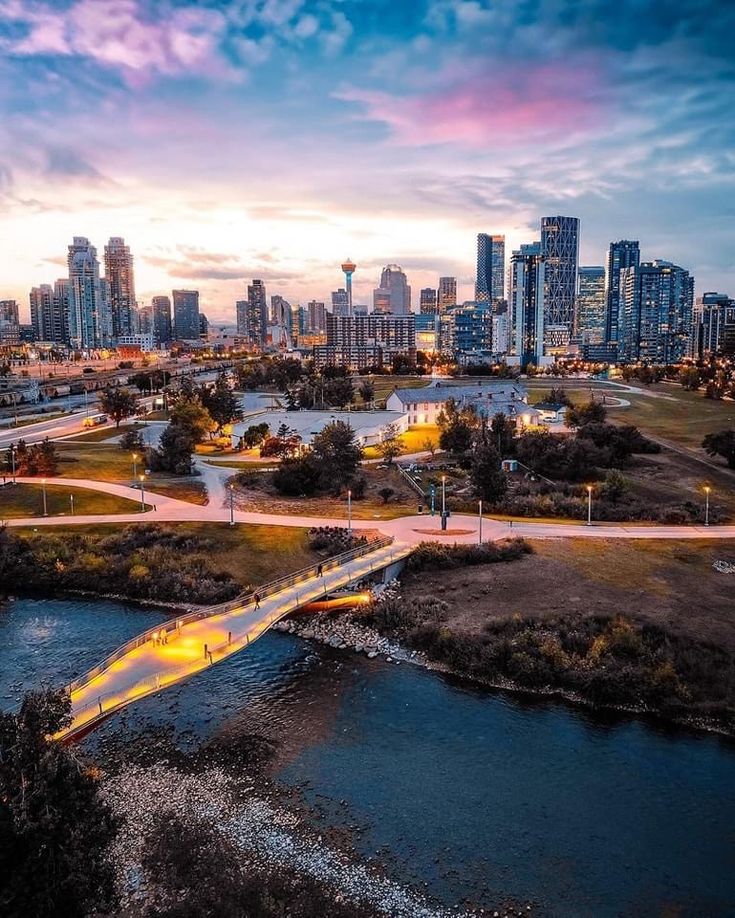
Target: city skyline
[622,120]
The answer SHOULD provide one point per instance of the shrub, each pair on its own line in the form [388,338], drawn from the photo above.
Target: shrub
[434,555]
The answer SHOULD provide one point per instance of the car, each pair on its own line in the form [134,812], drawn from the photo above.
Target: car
[95,420]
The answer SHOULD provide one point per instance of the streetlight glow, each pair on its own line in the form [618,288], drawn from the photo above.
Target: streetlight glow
[707,489]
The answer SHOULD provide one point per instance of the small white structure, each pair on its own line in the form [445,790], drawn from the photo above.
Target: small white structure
[552,412]
[370,427]
[487,397]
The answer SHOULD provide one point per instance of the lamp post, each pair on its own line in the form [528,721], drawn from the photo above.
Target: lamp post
[589,505]
[444,494]
[135,466]
[43,488]
[71,502]
[232,505]
[479,531]
[349,512]
[142,493]
[12,460]
[707,489]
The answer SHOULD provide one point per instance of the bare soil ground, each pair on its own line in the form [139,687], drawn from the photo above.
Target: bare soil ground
[669,584]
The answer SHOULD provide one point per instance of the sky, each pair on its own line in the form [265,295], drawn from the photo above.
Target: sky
[233,139]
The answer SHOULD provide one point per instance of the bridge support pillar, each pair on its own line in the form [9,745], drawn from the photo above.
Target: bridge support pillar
[393,570]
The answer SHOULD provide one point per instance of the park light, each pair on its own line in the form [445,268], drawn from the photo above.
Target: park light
[43,486]
[142,493]
[349,511]
[707,489]
[589,505]
[135,466]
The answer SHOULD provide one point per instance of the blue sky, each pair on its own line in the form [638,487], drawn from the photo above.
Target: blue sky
[229,140]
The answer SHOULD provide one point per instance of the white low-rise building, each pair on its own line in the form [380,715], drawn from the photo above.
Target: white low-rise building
[487,397]
[370,427]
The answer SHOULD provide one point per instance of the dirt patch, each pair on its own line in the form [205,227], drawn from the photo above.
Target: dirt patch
[669,584]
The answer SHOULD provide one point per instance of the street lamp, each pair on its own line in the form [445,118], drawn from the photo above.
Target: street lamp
[232,505]
[135,466]
[707,489]
[349,512]
[479,531]
[444,494]
[142,493]
[43,487]
[71,502]
[589,505]
[12,460]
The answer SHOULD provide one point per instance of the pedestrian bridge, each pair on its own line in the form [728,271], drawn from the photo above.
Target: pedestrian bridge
[182,646]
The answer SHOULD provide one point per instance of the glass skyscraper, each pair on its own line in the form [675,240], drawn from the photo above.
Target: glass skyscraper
[560,250]
[490,280]
[591,309]
[625,253]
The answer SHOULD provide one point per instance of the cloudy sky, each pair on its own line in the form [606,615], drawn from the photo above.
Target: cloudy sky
[274,138]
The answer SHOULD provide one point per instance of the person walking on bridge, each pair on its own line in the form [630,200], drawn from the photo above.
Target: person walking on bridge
[320,570]
[256,597]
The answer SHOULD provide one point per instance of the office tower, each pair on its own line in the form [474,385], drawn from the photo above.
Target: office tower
[282,314]
[656,313]
[363,341]
[119,275]
[203,326]
[161,319]
[714,325]
[447,293]
[257,314]
[42,305]
[394,293]
[560,250]
[143,321]
[349,269]
[316,318]
[427,303]
[186,315]
[501,329]
[591,312]
[87,319]
[241,310]
[302,321]
[340,302]
[527,304]
[625,253]
[472,330]
[490,281]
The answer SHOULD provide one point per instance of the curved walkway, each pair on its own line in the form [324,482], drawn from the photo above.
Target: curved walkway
[408,529]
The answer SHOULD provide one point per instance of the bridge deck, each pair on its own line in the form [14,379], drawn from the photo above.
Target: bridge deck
[162,661]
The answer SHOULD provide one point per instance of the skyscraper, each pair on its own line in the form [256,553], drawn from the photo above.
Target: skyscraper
[161,319]
[714,324]
[447,293]
[316,318]
[119,275]
[340,302]
[282,314]
[241,309]
[656,313]
[87,320]
[186,315]
[427,303]
[42,307]
[490,281]
[591,309]
[560,250]
[625,253]
[527,304]
[257,314]
[394,293]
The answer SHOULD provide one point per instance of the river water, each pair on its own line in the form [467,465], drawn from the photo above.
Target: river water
[476,794]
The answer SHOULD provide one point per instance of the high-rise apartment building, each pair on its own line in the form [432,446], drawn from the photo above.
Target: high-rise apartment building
[656,313]
[340,302]
[9,323]
[119,275]
[472,330]
[363,341]
[88,308]
[42,306]
[591,312]
[241,311]
[161,320]
[490,280]
[186,315]
[394,293]
[625,253]
[560,250]
[428,301]
[282,316]
[714,325]
[257,314]
[447,296]
[527,304]
[316,318]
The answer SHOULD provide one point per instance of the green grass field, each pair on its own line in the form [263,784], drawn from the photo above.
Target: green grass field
[412,440]
[252,554]
[100,435]
[22,500]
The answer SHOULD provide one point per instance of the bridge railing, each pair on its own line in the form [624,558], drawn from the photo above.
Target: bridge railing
[267,589]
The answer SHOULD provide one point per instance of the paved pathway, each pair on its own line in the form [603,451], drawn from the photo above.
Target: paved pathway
[167,657]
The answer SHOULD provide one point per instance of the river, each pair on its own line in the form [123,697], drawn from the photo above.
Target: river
[476,794]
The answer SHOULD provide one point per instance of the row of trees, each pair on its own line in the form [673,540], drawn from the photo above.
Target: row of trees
[38,459]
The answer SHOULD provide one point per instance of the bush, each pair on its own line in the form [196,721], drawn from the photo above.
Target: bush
[334,539]
[298,477]
[132,441]
[435,556]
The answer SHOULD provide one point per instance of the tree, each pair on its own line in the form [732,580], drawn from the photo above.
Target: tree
[390,447]
[174,451]
[45,458]
[689,378]
[54,828]
[298,476]
[118,403]
[338,454]
[502,434]
[489,480]
[721,443]
[193,417]
[456,436]
[339,391]
[430,445]
[593,412]
[367,391]
[614,487]
[150,381]
[558,396]
[221,403]
[254,435]
[37,459]
[386,494]
[132,441]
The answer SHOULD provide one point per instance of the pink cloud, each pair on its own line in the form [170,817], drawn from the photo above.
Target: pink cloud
[498,108]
